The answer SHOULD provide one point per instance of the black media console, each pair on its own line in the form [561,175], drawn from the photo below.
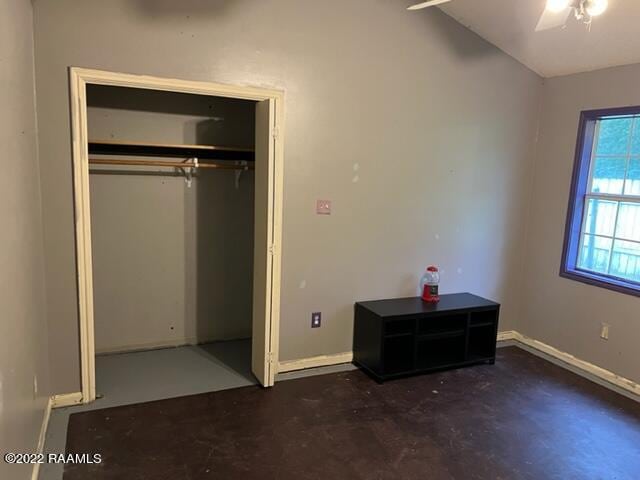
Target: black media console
[405,336]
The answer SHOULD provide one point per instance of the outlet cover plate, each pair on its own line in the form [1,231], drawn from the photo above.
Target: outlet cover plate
[323,207]
[316,320]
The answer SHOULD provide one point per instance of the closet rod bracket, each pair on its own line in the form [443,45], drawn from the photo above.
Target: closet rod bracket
[244,166]
[191,166]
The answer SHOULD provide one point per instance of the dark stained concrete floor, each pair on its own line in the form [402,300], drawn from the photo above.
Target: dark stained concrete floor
[522,418]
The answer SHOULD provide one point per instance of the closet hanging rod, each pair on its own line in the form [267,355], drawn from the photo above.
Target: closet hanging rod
[159,163]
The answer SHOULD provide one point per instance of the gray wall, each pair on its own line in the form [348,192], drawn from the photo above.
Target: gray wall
[172,264]
[561,312]
[23,329]
[439,124]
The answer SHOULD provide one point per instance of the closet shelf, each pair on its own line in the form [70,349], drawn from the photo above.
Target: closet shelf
[202,152]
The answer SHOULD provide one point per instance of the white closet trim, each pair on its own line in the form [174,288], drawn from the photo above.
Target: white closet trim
[79,78]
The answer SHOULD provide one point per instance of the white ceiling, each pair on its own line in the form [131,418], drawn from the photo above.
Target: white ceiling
[614,38]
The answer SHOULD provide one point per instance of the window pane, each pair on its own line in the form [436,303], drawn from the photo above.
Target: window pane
[629,222]
[632,185]
[613,136]
[601,217]
[594,253]
[635,143]
[608,174]
[625,260]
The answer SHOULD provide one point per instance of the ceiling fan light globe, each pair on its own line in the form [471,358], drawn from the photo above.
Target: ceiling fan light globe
[596,7]
[558,5]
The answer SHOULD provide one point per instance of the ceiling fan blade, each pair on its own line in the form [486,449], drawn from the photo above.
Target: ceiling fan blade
[550,19]
[430,3]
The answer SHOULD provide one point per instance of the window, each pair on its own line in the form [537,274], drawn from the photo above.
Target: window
[602,237]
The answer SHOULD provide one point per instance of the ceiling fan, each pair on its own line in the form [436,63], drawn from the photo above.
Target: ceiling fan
[556,12]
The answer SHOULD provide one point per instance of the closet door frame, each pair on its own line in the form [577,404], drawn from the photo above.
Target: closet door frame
[79,78]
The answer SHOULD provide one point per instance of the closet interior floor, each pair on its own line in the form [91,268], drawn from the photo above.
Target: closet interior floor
[173,372]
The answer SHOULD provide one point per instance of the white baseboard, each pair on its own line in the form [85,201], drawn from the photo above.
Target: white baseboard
[178,342]
[507,335]
[41,438]
[347,357]
[312,362]
[55,401]
[66,400]
[588,370]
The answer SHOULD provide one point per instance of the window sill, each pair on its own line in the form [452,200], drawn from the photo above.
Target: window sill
[610,283]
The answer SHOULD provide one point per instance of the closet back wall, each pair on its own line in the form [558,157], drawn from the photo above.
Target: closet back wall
[420,132]
[172,264]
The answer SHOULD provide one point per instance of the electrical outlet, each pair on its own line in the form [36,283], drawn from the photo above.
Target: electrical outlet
[323,207]
[604,332]
[316,319]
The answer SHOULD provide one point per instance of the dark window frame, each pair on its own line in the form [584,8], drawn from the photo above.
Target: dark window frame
[575,210]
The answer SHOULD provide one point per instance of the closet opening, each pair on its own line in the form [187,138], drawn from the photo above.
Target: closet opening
[179,198]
